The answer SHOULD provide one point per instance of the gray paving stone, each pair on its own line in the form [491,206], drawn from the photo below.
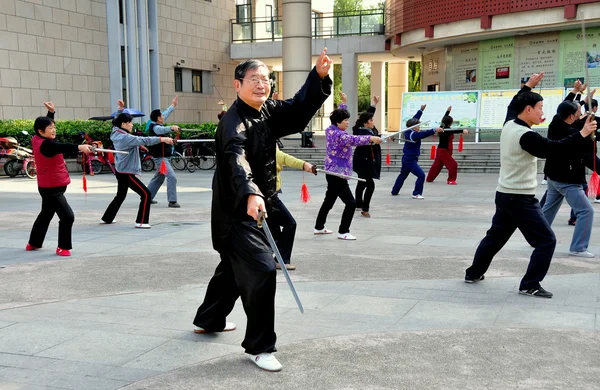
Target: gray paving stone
[175,354]
[441,315]
[519,317]
[130,374]
[24,361]
[104,348]
[78,368]
[31,339]
[4,324]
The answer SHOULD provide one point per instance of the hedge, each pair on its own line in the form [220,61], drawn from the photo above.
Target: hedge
[68,130]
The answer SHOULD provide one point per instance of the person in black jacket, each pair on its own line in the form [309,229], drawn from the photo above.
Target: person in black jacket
[366,161]
[244,187]
[566,178]
[444,151]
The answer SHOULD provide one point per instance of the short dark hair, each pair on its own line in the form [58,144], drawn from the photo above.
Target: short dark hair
[155,114]
[221,114]
[122,118]
[522,100]
[447,121]
[567,108]
[41,122]
[412,122]
[241,69]
[594,104]
[338,116]
[363,118]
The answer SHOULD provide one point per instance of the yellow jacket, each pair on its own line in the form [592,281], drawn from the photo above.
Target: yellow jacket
[287,160]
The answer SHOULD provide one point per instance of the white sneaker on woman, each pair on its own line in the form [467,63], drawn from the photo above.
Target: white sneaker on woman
[266,361]
[346,236]
[143,225]
[322,231]
[229,326]
[418,196]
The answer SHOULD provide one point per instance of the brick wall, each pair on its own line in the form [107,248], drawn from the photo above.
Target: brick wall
[53,50]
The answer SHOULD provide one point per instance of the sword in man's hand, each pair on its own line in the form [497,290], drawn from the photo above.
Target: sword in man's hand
[262,224]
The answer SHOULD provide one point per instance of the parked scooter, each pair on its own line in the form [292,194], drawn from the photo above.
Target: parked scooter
[19,160]
[95,162]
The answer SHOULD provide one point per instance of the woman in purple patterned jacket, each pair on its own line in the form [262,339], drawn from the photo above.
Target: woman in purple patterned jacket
[338,159]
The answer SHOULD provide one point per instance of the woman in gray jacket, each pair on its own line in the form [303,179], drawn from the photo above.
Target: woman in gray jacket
[127,167]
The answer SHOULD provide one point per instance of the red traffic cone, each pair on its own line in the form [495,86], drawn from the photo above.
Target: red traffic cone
[432,154]
[460,143]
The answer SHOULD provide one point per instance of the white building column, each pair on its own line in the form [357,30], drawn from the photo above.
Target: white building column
[297,60]
[350,82]
[378,89]
[144,59]
[131,48]
[114,54]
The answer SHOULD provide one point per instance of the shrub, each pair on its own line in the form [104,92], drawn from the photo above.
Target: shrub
[68,130]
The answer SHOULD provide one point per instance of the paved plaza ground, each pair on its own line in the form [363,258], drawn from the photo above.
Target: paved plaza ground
[388,311]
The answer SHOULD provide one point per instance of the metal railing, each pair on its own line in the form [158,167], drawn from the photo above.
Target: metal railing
[355,23]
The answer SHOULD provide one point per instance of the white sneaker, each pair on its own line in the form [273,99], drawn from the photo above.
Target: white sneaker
[596,200]
[266,361]
[107,223]
[346,236]
[229,326]
[418,197]
[322,231]
[581,254]
[544,182]
[143,225]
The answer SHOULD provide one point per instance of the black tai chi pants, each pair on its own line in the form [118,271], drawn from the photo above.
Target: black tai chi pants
[283,227]
[513,212]
[53,202]
[125,182]
[246,270]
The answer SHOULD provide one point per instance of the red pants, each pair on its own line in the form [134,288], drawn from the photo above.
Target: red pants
[443,157]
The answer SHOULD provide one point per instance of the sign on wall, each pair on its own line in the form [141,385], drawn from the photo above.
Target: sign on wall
[496,63]
[465,60]
[573,61]
[539,53]
[494,104]
[464,107]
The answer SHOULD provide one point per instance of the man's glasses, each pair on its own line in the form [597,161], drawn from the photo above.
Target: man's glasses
[255,80]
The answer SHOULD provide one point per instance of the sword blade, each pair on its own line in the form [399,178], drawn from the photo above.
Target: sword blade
[262,223]
[195,130]
[110,151]
[195,140]
[340,175]
[384,138]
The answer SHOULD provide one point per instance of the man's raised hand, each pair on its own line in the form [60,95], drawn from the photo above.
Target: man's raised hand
[256,204]
[589,127]
[175,101]
[375,100]
[49,106]
[120,105]
[534,80]
[343,97]
[323,64]
[423,106]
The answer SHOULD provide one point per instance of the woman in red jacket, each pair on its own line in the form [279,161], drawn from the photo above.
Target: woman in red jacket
[53,179]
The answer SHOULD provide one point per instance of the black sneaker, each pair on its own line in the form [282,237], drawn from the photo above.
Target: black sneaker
[536,292]
[153,201]
[469,279]
[174,205]
[572,222]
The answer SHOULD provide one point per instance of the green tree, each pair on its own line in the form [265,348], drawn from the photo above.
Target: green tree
[414,76]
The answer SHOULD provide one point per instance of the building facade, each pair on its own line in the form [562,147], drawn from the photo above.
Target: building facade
[85,54]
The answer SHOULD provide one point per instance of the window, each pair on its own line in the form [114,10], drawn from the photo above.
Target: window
[196,81]
[269,16]
[178,80]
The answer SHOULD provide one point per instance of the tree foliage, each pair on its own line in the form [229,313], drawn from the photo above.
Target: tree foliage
[414,76]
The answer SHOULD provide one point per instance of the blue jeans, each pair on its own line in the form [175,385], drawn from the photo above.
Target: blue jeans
[513,212]
[159,179]
[584,212]
[410,166]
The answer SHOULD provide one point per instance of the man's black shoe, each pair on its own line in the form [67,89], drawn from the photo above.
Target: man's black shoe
[153,201]
[469,279]
[536,292]
[174,204]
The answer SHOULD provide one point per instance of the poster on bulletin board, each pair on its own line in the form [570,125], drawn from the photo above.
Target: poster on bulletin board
[494,104]
[464,107]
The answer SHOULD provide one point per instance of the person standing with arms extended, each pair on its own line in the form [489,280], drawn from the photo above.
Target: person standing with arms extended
[366,161]
[443,156]
[516,205]
[52,179]
[161,153]
[128,166]
[243,188]
[338,159]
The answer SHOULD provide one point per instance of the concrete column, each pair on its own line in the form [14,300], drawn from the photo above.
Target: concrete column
[154,62]
[114,54]
[397,84]
[133,67]
[297,60]
[142,19]
[350,82]
[378,89]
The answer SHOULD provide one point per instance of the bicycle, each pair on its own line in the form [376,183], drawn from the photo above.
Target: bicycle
[200,156]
